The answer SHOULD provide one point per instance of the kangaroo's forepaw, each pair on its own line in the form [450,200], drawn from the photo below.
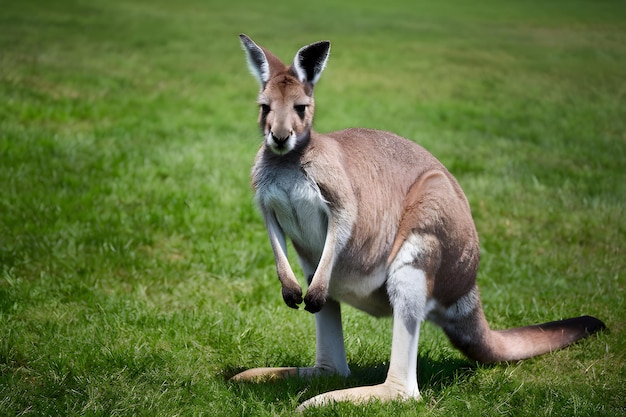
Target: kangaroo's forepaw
[292,296]
[314,300]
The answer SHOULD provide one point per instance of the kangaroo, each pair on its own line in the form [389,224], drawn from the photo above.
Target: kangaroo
[378,223]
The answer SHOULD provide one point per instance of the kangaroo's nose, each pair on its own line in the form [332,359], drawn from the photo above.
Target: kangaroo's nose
[280,140]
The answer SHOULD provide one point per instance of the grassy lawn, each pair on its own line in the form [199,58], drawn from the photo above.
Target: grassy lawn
[135,273]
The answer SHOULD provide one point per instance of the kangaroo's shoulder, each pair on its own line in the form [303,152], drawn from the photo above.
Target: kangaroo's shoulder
[368,156]
[375,145]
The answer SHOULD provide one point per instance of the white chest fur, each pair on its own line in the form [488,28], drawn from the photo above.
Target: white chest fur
[299,208]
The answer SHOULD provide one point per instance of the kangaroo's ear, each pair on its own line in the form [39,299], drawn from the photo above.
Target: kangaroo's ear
[310,62]
[257,61]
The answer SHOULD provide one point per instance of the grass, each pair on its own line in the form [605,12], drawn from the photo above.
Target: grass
[136,276]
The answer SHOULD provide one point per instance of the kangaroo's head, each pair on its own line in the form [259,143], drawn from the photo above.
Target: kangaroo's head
[286,97]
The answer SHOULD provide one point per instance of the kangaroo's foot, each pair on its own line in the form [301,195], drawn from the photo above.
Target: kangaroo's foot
[359,395]
[272,374]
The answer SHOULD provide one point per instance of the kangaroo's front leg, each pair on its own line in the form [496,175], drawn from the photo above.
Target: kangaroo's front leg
[317,293]
[291,290]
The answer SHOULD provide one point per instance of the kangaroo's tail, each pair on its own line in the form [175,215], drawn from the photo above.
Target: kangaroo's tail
[472,335]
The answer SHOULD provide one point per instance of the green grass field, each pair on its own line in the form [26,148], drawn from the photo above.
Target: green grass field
[135,273]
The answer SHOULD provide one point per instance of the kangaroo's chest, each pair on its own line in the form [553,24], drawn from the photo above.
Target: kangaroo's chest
[296,202]
[299,208]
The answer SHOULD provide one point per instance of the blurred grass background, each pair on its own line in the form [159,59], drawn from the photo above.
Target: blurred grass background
[136,276]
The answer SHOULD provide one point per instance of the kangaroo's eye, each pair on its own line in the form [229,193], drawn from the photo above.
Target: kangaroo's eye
[300,109]
[265,108]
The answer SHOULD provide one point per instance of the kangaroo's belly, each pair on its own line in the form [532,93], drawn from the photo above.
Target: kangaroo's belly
[364,291]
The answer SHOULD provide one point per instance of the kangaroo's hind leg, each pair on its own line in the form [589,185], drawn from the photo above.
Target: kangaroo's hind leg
[330,349]
[330,355]
[407,290]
